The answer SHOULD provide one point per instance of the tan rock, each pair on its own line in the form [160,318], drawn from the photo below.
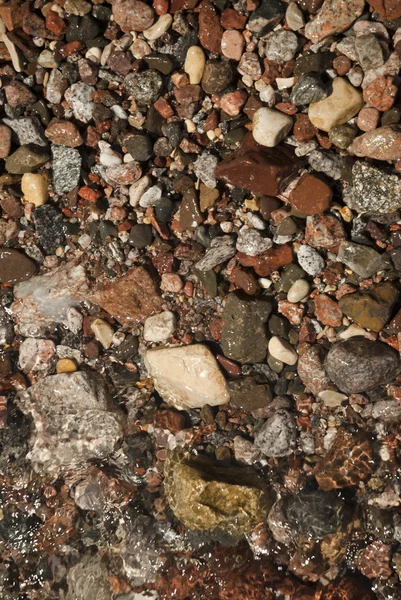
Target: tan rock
[207,197]
[187,376]
[343,103]
[195,64]
[35,188]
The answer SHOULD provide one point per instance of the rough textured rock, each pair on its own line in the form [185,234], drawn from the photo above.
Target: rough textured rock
[206,497]
[88,580]
[278,435]
[243,335]
[387,9]
[73,423]
[132,15]
[316,514]
[364,261]
[359,365]
[311,369]
[66,168]
[334,17]
[187,376]
[375,190]
[131,298]
[383,143]
[371,309]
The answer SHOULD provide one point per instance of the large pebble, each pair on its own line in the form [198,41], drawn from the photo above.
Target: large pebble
[364,261]
[159,327]
[375,190]
[298,291]
[270,126]
[369,51]
[310,260]
[66,168]
[195,64]
[334,17]
[282,350]
[35,188]
[159,28]
[278,436]
[281,46]
[371,309]
[132,15]
[187,376]
[15,266]
[344,102]
[359,365]
[383,143]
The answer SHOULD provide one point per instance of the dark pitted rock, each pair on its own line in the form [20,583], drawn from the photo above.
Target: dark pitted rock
[309,88]
[316,514]
[49,227]
[145,87]
[249,393]
[66,168]
[263,171]
[266,17]
[359,365]
[314,62]
[218,75]
[278,435]
[243,335]
[371,309]
[375,190]
[15,266]
[27,130]
[204,496]
[26,159]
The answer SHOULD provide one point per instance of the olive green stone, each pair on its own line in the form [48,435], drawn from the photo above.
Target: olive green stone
[208,279]
[289,275]
[26,159]
[342,135]
[190,216]
[204,496]
[159,62]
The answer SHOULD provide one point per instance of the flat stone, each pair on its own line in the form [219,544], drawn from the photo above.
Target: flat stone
[311,369]
[221,249]
[294,17]
[131,298]
[278,435]
[375,190]
[210,30]
[369,51]
[243,336]
[190,216]
[364,261]
[261,170]
[74,421]
[326,162]
[383,143]
[35,355]
[27,130]
[204,496]
[359,365]
[159,327]
[311,195]
[249,393]
[66,168]
[203,382]
[26,159]
[371,309]
[64,133]
[18,94]
[334,17]
[327,311]
[15,266]
[344,102]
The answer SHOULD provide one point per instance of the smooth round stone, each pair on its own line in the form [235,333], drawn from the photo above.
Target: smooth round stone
[35,188]
[217,76]
[298,291]
[331,398]
[15,266]
[281,46]
[270,126]
[159,28]
[344,102]
[195,64]
[359,365]
[282,350]
[141,235]
[132,15]
[159,327]
[310,260]
[138,189]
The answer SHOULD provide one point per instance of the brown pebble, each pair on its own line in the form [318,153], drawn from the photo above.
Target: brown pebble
[15,266]
[311,196]
[210,30]
[342,65]
[5,141]
[64,133]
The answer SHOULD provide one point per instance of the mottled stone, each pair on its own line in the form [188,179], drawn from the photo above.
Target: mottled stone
[375,190]
[15,266]
[203,382]
[364,261]
[371,309]
[334,17]
[315,514]
[48,222]
[383,143]
[27,130]
[79,97]
[281,45]
[380,93]
[132,15]
[311,369]
[265,17]
[328,311]
[243,335]
[145,87]
[5,141]
[323,231]
[217,76]
[249,393]
[74,421]
[369,51]
[221,249]
[309,88]
[359,365]
[204,496]
[131,298]
[278,435]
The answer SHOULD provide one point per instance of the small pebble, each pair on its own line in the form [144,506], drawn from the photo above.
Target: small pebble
[35,188]
[270,126]
[195,64]
[282,350]
[66,365]
[331,398]
[298,291]
[310,260]
[159,327]
[103,332]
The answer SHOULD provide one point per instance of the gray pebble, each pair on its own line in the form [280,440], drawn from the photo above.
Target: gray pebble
[310,260]
[278,435]
[145,87]
[309,88]
[66,168]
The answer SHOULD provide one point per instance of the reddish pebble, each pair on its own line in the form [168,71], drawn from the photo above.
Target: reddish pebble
[245,281]
[5,141]
[55,23]
[231,367]
[342,65]
[89,194]
[324,231]
[368,119]
[287,108]
[65,133]
[380,93]
[188,289]
[132,15]
[163,108]
[210,30]
[160,7]
[215,328]
[169,419]
[171,282]
[304,131]
[232,44]
[231,19]
[311,196]
[232,102]
[70,48]
[328,311]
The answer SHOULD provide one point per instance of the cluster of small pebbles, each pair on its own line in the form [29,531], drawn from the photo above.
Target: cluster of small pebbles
[200,311]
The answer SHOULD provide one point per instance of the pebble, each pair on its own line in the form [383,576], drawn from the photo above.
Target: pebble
[103,332]
[342,135]
[278,435]
[387,9]
[195,64]
[159,28]
[334,17]
[64,133]
[132,15]
[210,30]
[331,398]
[28,130]
[221,249]
[327,311]
[249,393]
[369,51]
[137,189]
[217,75]
[145,87]
[232,44]
[35,188]
[159,327]
[359,365]
[204,168]
[26,159]
[294,17]
[251,242]
[309,88]
[66,365]
[265,17]
[310,260]
[5,141]
[56,86]
[50,232]
[311,369]
[281,45]
[383,143]
[270,126]
[66,168]
[150,196]
[316,514]
[108,157]
[375,190]
[344,102]
[380,93]
[364,261]
[327,163]
[79,97]
[15,266]
[371,309]
[203,382]
[311,195]
[141,236]
[77,7]
[282,350]
[298,291]
[35,354]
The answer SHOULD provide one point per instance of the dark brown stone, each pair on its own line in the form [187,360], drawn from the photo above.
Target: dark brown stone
[387,9]
[210,30]
[311,196]
[15,266]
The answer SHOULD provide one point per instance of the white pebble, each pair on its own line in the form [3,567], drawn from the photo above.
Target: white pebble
[270,126]
[74,320]
[108,157]
[160,27]
[310,260]
[283,83]
[251,243]
[138,189]
[331,398]
[151,196]
[195,64]
[94,54]
[282,350]
[35,188]
[159,327]
[255,221]
[298,291]
[103,332]
[119,112]
[265,283]
[352,331]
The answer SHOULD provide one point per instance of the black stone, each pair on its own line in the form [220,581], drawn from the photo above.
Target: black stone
[85,28]
[316,514]
[49,227]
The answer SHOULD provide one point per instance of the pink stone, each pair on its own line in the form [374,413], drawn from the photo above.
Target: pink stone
[250,65]
[171,282]
[368,119]
[232,102]
[232,44]
[334,17]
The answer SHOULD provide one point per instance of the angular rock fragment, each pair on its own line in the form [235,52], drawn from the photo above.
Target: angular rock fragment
[371,309]
[375,190]
[316,514]
[66,168]
[278,435]
[364,261]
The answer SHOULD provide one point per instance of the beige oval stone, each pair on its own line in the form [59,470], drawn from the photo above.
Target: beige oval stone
[160,27]
[195,64]
[344,102]
[331,398]
[282,350]
[66,365]
[35,188]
